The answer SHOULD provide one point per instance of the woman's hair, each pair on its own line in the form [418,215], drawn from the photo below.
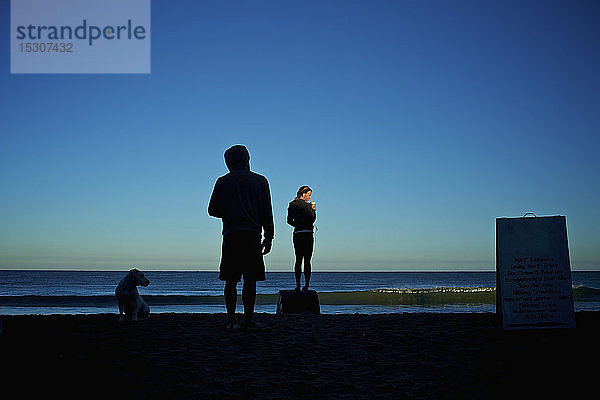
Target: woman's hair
[302,190]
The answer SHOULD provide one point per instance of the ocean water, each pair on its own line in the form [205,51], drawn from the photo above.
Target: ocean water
[85,292]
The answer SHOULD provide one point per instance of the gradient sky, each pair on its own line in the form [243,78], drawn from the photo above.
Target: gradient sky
[416,123]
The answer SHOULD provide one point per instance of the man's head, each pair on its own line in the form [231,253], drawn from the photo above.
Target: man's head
[237,158]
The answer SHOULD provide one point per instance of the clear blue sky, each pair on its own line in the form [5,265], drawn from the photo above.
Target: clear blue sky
[416,123]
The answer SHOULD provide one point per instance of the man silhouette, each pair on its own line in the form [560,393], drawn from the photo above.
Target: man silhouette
[242,200]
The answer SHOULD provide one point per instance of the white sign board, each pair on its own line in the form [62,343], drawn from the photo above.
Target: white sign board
[533,273]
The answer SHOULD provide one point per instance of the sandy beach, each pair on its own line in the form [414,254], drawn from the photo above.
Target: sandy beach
[391,356]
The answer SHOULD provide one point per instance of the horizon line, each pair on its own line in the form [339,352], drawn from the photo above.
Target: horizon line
[275,271]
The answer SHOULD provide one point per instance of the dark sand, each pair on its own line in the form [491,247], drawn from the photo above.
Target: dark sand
[394,356]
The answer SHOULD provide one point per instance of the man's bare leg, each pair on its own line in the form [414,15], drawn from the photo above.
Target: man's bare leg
[230,303]
[249,298]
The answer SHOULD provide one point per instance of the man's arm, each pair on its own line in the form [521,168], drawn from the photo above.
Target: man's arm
[266,218]
[214,208]
[267,214]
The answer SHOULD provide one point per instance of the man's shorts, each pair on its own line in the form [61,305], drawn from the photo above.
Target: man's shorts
[303,243]
[241,255]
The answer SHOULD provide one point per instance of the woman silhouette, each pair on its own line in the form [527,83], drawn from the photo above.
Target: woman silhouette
[302,215]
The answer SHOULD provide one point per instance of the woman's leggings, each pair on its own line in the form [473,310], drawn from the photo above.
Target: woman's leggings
[303,248]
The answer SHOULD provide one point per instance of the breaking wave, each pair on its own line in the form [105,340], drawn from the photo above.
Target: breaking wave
[381,297]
